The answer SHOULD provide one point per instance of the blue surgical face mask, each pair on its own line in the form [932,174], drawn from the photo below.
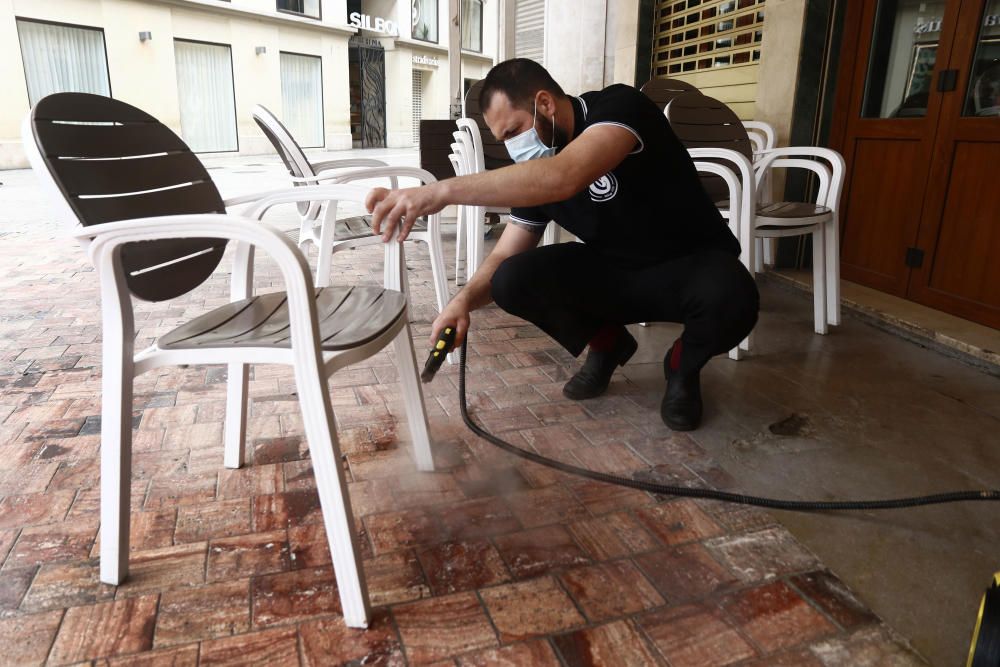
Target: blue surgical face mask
[528,145]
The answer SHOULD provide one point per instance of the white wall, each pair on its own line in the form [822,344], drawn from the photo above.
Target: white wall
[144,74]
[574,43]
[590,44]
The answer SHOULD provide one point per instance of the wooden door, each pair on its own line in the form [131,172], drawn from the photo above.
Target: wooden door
[887,133]
[959,235]
[918,112]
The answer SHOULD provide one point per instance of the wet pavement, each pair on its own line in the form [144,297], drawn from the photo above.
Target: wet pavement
[488,560]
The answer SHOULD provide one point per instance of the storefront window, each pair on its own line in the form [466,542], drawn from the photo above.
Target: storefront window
[983,96]
[206,96]
[472,25]
[425,20]
[904,50]
[308,8]
[62,58]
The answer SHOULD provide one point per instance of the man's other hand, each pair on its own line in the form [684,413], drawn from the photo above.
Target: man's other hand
[456,315]
[401,208]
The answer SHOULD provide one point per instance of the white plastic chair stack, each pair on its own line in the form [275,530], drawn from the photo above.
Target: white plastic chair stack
[711,130]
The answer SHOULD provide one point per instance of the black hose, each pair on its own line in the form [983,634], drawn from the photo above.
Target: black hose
[713,494]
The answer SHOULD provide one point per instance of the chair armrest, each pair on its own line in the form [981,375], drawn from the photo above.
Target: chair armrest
[834,169]
[834,158]
[748,179]
[346,163]
[108,237]
[393,172]
[251,197]
[739,224]
[309,193]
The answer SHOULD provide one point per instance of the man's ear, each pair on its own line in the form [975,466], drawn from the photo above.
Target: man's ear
[546,103]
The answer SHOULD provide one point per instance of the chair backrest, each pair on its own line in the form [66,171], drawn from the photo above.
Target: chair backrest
[495,154]
[111,161]
[284,143]
[456,164]
[700,121]
[662,91]
[471,128]
[762,134]
[467,152]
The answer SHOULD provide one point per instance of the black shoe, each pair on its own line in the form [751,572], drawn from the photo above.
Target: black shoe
[681,406]
[593,378]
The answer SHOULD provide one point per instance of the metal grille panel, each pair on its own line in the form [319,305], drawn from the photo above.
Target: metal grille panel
[695,35]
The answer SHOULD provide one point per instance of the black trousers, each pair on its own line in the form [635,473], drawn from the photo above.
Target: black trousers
[571,291]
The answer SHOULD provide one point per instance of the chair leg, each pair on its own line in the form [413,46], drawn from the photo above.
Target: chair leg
[751,252]
[459,232]
[392,266]
[237,386]
[832,242]
[768,258]
[819,282]
[474,241]
[438,270]
[759,254]
[116,459]
[413,398]
[439,274]
[331,484]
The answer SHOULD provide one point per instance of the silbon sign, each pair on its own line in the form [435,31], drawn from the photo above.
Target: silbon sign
[373,23]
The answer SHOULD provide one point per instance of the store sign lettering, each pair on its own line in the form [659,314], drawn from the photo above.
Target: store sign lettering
[373,23]
[934,25]
[425,60]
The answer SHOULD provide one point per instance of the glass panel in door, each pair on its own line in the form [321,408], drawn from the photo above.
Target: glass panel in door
[983,96]
[903,53]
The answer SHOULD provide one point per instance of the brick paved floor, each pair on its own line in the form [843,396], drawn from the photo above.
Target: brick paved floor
[488,560]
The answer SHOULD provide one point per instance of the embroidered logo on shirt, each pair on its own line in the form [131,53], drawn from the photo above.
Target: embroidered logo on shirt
[605,188]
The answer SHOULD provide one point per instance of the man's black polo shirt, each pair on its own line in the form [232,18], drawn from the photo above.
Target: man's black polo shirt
[649,208]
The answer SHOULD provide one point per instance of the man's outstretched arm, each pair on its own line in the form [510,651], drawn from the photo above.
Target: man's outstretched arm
[589,156]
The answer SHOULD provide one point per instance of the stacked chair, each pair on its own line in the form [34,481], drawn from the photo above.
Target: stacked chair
[155,227]
[714,134]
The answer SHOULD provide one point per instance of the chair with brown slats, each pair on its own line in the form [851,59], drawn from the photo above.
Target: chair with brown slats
[663,90]
[321,227]
[710,130]
[762,136]
[152,222]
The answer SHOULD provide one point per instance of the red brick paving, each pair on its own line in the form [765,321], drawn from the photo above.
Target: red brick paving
[489,561]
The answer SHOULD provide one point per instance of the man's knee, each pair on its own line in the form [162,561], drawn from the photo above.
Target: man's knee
[728,295]
[509,284]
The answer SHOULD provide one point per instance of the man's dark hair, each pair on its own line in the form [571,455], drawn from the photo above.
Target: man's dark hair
[519,79]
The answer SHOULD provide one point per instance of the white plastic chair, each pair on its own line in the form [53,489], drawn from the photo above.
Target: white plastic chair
[764,138]
[711,130]
[732,211]
[475,216]
[457,159]
[299,167]
[330,235]
[153,224]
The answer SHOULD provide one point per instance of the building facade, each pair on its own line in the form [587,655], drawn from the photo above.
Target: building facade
[339,73]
